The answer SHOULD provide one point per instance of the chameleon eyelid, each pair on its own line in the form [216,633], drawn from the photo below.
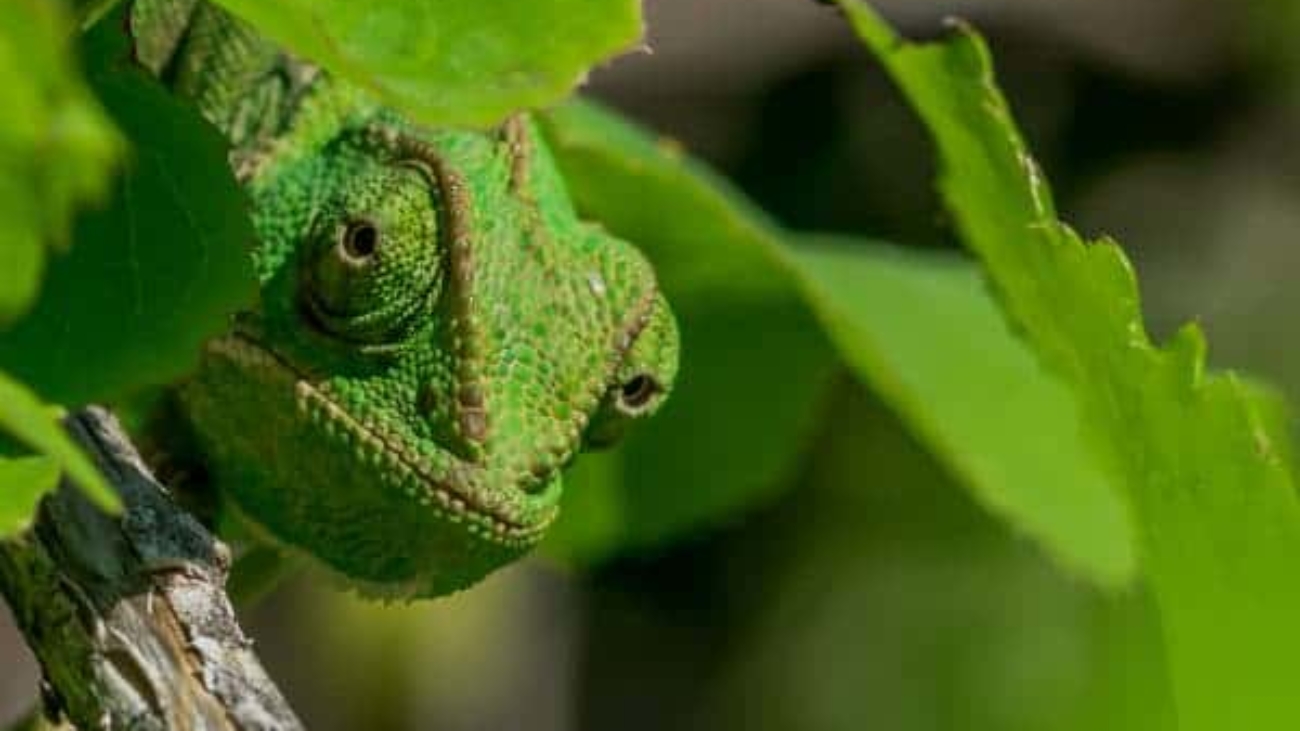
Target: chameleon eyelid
[454,215]
[425,169]
[410,152]
[419,155]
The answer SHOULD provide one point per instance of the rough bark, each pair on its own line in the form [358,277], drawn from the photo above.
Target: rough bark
[128,614]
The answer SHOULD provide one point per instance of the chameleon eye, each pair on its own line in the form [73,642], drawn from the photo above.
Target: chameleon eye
[626,402]
[360,240]
[371,267]
[640,383]
[637,392]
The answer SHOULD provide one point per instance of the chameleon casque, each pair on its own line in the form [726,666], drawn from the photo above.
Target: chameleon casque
[437,334]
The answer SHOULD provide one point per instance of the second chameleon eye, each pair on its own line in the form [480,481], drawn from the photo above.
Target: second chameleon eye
[638,391]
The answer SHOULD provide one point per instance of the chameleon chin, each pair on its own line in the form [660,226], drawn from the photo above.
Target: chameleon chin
[437,333]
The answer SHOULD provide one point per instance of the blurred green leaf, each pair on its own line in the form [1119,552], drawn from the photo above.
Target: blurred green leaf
[453,62]
[1264,33]
[158,271]
[919,611]
[922,332]
[754,360]
[23,480]
[36,426]
[1201,456]
[57,148]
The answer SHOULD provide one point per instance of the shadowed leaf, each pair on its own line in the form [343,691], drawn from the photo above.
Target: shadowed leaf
[154,274]
[57,148]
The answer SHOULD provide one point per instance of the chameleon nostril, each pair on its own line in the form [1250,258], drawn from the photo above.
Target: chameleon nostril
[536,477]
[427,400]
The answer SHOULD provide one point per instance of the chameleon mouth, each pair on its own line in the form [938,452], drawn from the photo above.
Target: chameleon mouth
[444,494]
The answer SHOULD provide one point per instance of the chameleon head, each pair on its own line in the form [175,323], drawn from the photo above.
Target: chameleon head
[438,335]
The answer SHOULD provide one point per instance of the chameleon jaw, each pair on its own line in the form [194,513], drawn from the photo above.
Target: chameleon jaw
[444,495]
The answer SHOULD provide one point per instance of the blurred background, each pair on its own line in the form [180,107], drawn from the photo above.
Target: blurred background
[866,591]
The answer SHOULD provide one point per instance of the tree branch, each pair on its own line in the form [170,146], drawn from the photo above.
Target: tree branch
[128,615]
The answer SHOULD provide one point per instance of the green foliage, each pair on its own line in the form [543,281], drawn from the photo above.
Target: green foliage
[754,361]
[57,151]
[1200,456]
[1267,35]
[922,332]
[1189,470]
[452,62]
[919,611]
[150,277]
[155,273]
[24,480]
[57,148]
[35,426]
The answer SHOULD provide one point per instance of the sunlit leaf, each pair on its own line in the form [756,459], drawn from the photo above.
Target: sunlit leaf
[1201,456]
[756,314]
[453,62]
[923,331]
[34,425]
[23,480]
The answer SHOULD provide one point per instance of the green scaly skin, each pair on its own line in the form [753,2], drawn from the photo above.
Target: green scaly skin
[437,336]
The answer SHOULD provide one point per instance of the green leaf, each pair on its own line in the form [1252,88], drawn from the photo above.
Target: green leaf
[23,480]
[921,612]
[33,424]
[922,330]
[452,62]
[153,275]
[756,315]
[57,148]
[754,361]
[1200,456]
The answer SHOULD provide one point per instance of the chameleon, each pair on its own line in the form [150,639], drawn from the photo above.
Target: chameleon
[437,334]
